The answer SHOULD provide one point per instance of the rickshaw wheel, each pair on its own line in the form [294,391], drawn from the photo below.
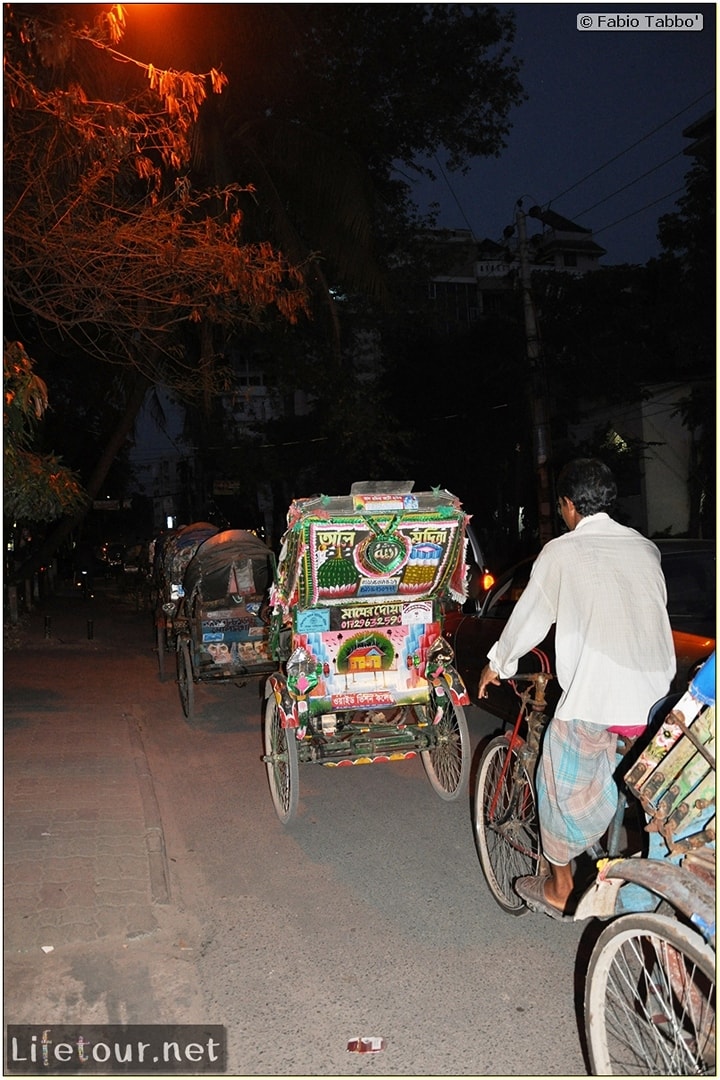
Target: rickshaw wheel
[650,999]
[447,764]
[186,686]
[161,636]
[281,762]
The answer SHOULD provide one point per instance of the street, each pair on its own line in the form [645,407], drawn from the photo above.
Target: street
[368,916]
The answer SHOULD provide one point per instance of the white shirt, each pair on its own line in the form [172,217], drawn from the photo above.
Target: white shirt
[603,587]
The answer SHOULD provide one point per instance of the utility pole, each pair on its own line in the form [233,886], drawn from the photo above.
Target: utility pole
[537,388]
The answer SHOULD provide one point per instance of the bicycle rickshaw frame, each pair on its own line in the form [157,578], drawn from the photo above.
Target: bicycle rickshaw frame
[650,991]
[364,674]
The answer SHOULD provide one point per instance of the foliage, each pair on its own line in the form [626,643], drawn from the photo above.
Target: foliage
[609,336]
[688,270]
[597,335]
[328,102]
[106,239]
[142,200]
[36,487]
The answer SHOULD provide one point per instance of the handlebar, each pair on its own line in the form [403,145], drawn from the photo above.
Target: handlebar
[531,676]
[536,684]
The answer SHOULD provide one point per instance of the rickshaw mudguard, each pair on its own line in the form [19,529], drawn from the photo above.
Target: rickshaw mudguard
[690,895]
[447,681]
[287,705]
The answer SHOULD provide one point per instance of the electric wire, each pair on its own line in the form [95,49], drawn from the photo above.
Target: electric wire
[630,184]
[627,150]
[606,228]
[454,195]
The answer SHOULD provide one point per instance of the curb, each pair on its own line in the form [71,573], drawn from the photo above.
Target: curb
[154,835]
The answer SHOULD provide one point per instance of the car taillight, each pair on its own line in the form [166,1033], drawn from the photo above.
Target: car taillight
[487,581]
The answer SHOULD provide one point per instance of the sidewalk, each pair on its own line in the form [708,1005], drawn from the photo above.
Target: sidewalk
[87,889]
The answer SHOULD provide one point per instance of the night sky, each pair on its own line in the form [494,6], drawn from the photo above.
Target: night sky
[592,95]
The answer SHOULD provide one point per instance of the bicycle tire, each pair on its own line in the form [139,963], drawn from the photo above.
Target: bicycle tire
[186,684]
[281,762]
[650,999]
[509,845]
[447,764]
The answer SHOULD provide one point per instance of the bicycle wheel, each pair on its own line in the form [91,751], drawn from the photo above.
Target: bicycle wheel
[505,824]
[281,762]
[650,999]
[186,685]
[447,764]
[161,639]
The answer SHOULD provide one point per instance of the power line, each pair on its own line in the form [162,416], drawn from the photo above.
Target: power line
[630,184]
[596,232]
[452,192]
[642,139]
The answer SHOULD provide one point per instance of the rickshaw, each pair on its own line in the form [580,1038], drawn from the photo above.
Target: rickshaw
[172,552]
[222,621]
[364,673]
[650,988]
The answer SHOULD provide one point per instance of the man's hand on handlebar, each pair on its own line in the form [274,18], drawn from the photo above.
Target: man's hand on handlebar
[488,676]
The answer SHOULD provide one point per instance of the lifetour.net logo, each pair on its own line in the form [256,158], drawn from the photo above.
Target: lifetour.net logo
[115,1049]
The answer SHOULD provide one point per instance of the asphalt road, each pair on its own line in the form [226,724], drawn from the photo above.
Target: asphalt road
[368,916]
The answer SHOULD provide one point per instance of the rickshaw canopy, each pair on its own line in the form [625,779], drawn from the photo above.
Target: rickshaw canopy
[229,565]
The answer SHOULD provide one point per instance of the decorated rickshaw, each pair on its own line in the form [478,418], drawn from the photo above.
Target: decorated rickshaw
[171,553]
[364,674]
[222,619]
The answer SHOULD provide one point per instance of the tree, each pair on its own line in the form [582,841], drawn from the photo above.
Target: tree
[105,238]
[107,244]
[688,312]
[326,103]
[323,103]
[36,487]
[610,335]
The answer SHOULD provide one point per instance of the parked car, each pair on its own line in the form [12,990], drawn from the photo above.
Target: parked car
[689,568]
[480,577]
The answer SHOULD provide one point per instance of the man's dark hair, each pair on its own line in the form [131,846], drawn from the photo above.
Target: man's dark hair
[589,484]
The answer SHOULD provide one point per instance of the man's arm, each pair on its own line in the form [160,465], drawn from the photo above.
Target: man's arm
[528,624]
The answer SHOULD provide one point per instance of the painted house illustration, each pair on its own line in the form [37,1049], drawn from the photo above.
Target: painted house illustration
[366,658]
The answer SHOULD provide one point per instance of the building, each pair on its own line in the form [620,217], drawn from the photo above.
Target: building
[562,245]
[653,492]
[474,279]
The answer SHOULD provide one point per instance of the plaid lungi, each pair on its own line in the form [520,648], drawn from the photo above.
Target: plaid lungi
[576,793]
